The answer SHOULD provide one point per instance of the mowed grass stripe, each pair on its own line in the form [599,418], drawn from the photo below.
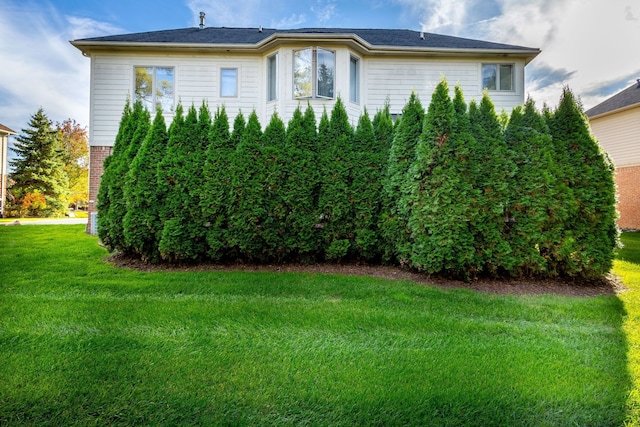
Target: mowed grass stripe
[85,343]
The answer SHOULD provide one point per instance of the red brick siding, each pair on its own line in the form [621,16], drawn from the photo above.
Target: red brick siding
[97,154]
[628,182]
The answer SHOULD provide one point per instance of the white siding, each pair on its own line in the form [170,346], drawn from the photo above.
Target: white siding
[619,135]
[197,78]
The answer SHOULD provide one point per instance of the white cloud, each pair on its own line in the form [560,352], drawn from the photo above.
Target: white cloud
[585,44]
[81,28]
[324,10]
[292,21]
[40,67]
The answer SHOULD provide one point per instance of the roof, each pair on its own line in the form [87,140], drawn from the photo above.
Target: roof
[622,100]
[255,38]
[6,130]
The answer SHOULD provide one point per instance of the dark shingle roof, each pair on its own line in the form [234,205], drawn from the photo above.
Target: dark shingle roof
[628,97]
[253,36]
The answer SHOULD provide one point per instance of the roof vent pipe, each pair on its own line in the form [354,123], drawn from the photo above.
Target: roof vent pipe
[638,80]
[201,20]
[421,35]
[260,29]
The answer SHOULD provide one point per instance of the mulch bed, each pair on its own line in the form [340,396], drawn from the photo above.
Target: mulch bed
[609,285]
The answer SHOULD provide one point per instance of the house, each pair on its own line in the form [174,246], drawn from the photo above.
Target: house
[4,152]
[270,70]
[615,123]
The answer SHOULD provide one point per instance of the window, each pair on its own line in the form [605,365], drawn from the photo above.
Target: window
[497,76]
[354,80]
[272,77]
[313,73]
[229,82]
[154,86]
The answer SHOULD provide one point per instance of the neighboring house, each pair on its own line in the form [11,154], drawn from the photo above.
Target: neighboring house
[4,165]
[269,70]
[616,125]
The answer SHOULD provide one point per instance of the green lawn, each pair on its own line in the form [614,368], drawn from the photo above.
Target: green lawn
[83,343]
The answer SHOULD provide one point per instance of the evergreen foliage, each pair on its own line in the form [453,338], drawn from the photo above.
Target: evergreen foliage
[142,224]
[183,235]
[275,210]
[451,191]
[135,131]
[335,203]
[492,177]
[300,186]
[40,182]
[366,187]
[590,233]
[394,228]
[441,200]
[217,185]
[108,179]
[246,202]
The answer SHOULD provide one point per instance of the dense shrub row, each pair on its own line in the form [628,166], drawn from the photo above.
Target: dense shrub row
[454,190]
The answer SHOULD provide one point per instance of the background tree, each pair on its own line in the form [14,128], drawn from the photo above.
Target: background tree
[394,228]
[40,182]
[75,142]
[142,223]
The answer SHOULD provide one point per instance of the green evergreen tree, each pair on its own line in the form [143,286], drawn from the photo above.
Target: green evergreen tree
[393,226]
[142,224]
[183,235]
[300,186]
[492,176]
[590,233]
[246,204]
[109,179]
[275,211]
[335,206]
[217,184]
[527,213]
[365,188]
[134,132]
[440,206]
[40,182]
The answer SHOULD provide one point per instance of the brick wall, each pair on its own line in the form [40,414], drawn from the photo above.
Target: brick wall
[628,182]
[97,154]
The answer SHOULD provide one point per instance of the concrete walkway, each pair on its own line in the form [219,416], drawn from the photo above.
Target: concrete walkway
[45,221]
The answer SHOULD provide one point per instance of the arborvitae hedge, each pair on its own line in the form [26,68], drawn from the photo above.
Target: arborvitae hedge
[455,191]
[142,225]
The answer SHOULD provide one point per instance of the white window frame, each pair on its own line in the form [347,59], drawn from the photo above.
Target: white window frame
[153,103]
[272,77]
[223,92]
[354,79]
[497,78]
[315,64]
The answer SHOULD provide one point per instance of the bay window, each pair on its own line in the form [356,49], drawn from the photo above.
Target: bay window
[313,73]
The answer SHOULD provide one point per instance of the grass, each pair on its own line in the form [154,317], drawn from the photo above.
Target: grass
[84,343]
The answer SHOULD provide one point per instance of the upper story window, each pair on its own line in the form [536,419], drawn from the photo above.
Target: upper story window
[313,73]
[154,86]
[272,77]
[228,82]
[497,76]
[354,80]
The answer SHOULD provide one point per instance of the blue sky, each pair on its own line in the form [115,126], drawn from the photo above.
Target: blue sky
[588,45]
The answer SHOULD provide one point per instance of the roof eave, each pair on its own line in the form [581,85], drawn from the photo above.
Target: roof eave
[87,47]
[614,111]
